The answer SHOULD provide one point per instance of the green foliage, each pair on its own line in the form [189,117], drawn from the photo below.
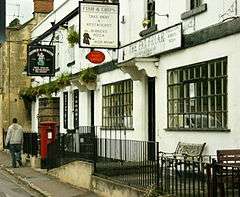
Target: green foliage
[73,37]
[88,75]
[14,23]
[63,80]
[30,94]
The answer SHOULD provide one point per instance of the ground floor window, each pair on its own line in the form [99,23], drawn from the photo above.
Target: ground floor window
[117,102]
[197,96]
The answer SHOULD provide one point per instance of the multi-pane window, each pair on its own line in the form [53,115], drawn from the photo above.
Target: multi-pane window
[151,12]
[195,3]
[65,110]
[118,104]
[71,49]
[76,108]
[197,96]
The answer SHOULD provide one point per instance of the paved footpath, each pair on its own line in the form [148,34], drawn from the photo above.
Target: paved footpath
[41,182]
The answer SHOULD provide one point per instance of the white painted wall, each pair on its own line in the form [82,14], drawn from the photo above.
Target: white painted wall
[134,12]
[217,11]
[211,50]
[139,103]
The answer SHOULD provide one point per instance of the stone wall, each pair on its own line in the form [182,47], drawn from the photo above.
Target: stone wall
[13,59]
[80,174]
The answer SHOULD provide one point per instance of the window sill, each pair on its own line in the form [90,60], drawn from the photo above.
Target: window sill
[196,130]
[147,31]
[71,63]
[198,10]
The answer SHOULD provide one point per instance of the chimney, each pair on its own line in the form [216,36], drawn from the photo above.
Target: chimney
[43,6]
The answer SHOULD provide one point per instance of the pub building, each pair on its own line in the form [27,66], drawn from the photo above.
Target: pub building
[173,77]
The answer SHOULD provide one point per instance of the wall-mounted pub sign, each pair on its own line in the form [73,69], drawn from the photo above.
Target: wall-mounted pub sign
[41,60]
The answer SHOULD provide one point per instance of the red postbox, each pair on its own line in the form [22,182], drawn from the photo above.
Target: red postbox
[48,133]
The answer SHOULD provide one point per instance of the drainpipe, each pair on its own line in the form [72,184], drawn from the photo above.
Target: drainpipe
[236,8]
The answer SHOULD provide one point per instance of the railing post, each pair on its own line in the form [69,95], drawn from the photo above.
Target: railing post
[158,166]
[95,153]
[214,178]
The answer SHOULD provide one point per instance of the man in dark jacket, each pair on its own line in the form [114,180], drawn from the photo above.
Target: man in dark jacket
[15,139]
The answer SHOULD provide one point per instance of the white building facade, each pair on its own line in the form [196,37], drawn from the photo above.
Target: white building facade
[173,79]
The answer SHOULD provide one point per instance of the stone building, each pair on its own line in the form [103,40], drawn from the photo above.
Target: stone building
[13,59]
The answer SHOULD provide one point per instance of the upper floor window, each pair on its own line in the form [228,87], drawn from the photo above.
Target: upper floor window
[118,105]
[195,3]
[151,12]
[197,96]
[71,49]
[195,7]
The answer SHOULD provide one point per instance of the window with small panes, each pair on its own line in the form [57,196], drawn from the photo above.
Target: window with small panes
[117,102]
[197,96]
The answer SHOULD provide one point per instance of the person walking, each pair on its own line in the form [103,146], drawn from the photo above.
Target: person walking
[14,140]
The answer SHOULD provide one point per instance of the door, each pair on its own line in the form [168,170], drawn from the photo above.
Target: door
[151,118]
[87,139]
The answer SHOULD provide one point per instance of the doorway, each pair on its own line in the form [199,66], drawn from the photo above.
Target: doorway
[151,118]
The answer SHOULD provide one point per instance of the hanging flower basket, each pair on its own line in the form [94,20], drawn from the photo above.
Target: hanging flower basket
[30,94]
[73,37]
[88,76]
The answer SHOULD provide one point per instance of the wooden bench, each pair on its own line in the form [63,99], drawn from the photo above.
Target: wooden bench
[189,150]
[225,171]
[229,157]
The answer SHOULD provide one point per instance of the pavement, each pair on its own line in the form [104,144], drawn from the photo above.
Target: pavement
[40,181]
[9,186]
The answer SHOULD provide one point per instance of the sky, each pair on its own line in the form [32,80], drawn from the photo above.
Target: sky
[22,9]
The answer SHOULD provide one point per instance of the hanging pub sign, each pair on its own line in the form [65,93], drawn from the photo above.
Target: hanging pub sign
[99,25]
[41,60]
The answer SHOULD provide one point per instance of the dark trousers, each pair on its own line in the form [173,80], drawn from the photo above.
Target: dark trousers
[15,150]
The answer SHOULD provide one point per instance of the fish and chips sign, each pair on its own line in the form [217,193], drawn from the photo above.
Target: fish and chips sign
[41,60]
[160,42]
[99,25]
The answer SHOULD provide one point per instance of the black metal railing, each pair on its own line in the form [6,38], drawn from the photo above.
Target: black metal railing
[224,180]
[183,177]
[80,144]
[31,143]
[134,163]
[138,164]
[74,145]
